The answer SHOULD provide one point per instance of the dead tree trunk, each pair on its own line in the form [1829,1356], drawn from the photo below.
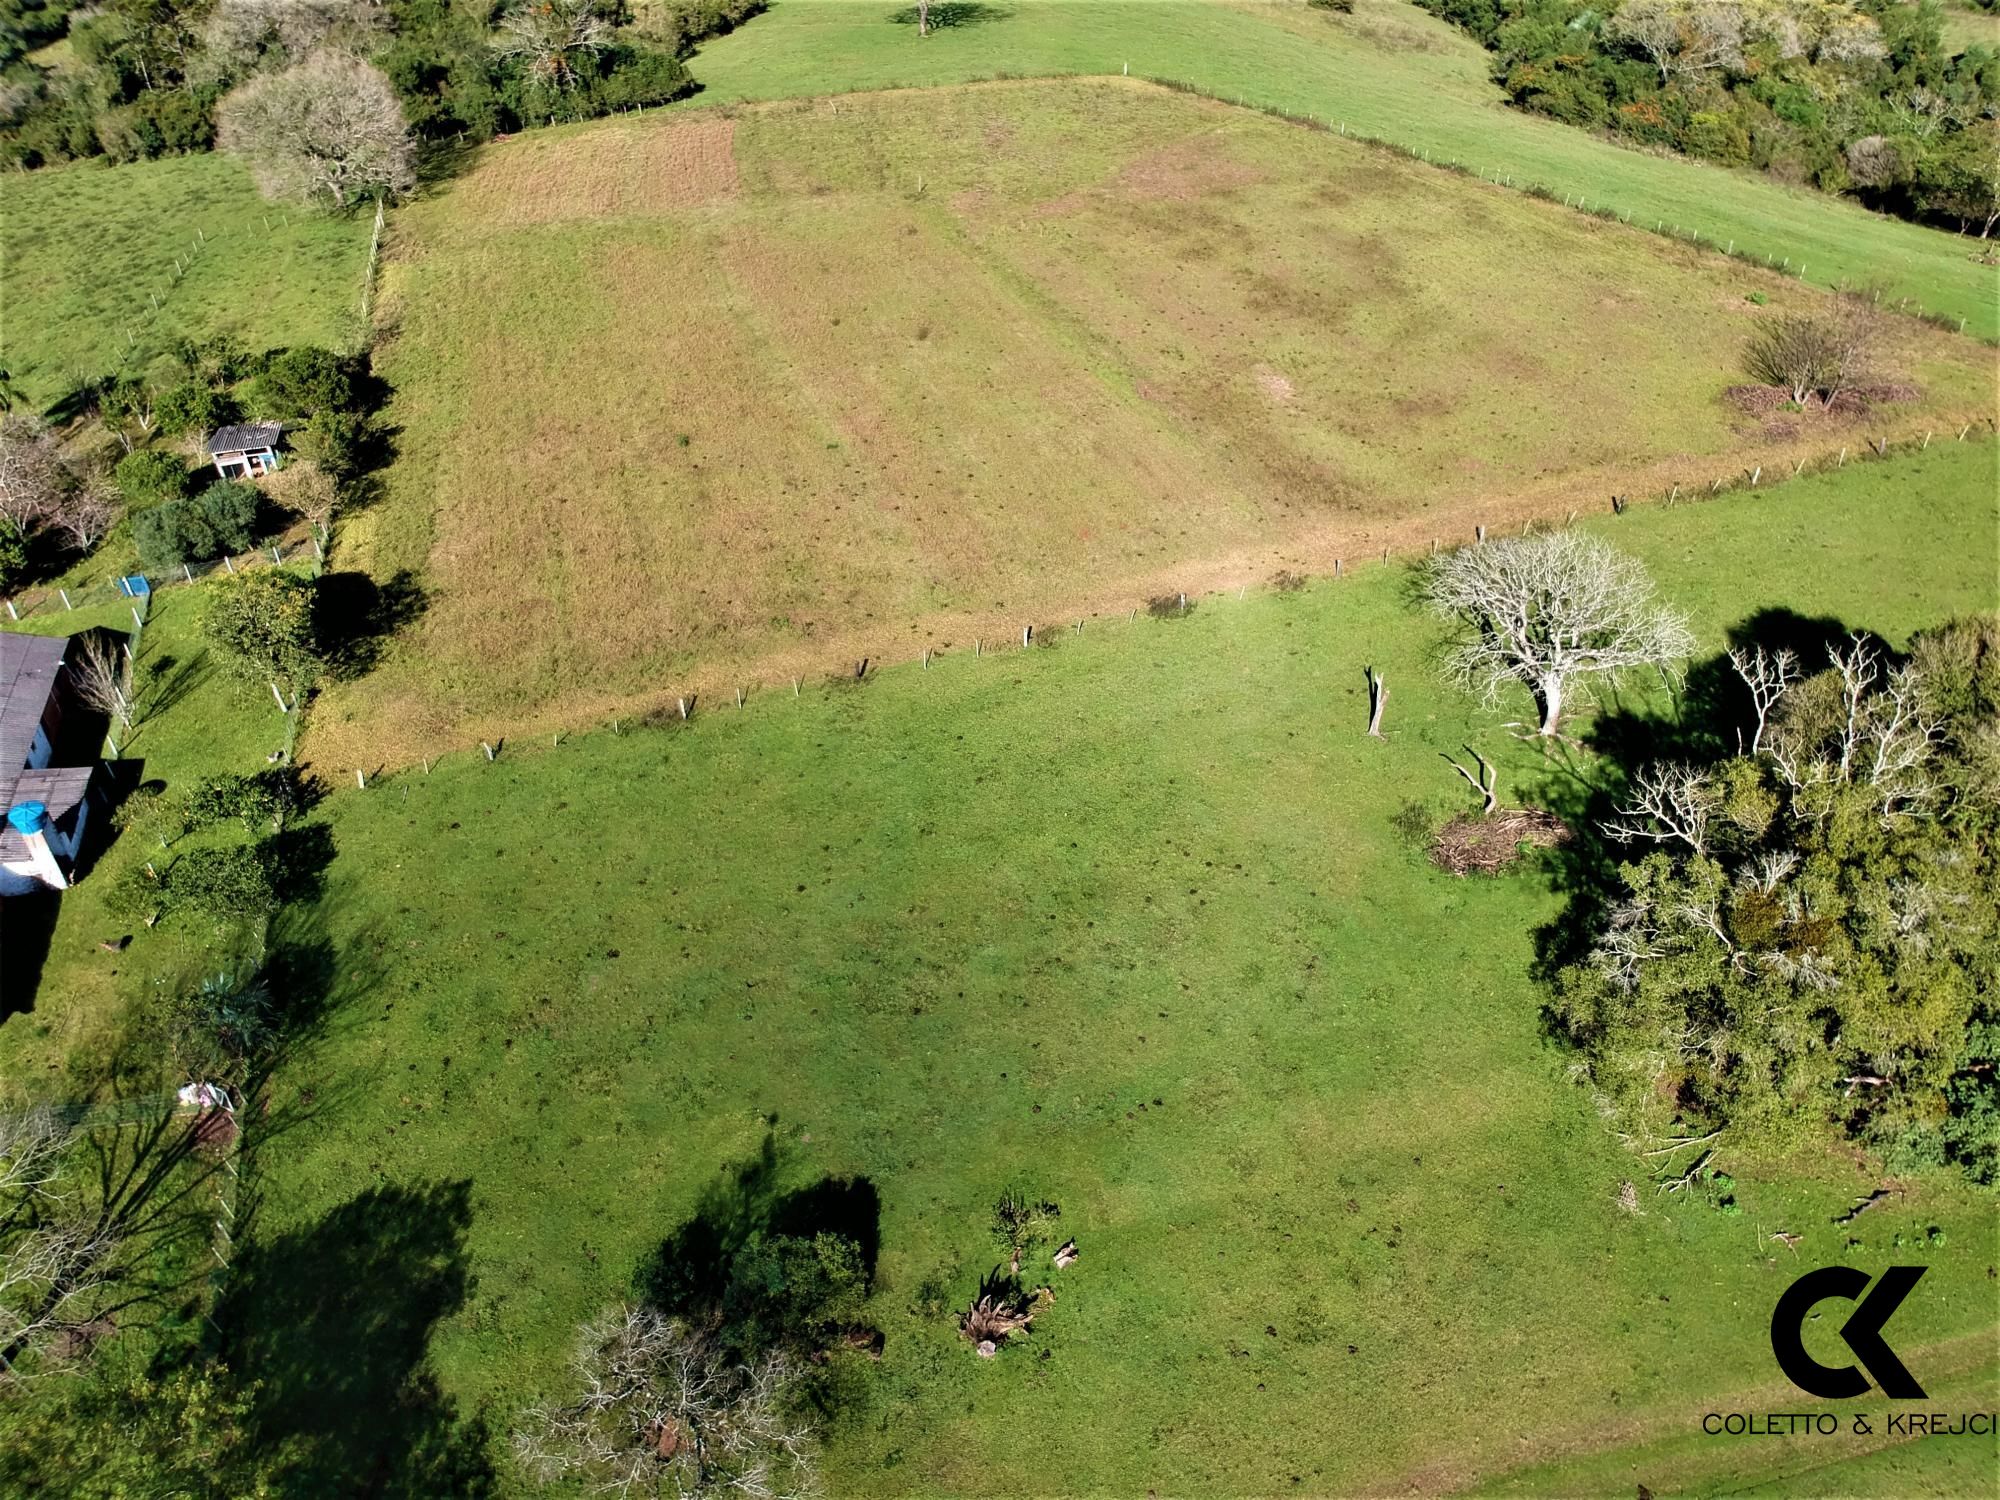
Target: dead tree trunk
[1378,694]
[1483,783]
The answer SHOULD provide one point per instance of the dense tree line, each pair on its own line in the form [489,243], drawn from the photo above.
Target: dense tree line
[1861,98]
[1810,929]
[133,79]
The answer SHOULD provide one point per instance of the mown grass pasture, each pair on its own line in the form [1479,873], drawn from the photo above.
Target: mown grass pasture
[1387,70]
[88,253]
[692,402]
[1129,921]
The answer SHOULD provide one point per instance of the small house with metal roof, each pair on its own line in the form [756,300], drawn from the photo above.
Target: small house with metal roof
[247,450]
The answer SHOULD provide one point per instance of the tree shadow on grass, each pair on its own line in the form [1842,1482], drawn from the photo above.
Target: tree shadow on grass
[334,1319]
[951,13]
[690,1275]
[355,617]
[27,931]
[1710,719]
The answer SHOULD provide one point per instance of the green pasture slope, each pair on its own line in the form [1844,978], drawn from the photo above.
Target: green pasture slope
[87,251]
[1388,71]
[1128,921]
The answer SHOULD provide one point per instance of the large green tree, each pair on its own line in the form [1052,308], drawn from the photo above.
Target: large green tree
[260,626]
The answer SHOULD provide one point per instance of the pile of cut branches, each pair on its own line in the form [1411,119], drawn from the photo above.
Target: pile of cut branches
[1470,843]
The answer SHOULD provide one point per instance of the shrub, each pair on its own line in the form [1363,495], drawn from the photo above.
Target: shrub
[304,382]
[13,553]
[193,406]
[794,1291]
[222,518]
[218,883]
[251,800]
[220,1023]
[150,476]
[1819,354]
[162,536]
[333,440]
[229,509]
[1717,137]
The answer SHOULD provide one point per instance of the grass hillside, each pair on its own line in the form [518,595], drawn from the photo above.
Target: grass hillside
[683,403]
[1129,922]
[1388,71]
[85,252]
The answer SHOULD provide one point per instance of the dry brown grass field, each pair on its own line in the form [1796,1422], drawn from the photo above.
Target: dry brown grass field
[717,398]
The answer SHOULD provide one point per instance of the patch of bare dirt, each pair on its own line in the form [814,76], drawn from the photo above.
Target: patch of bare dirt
[1473,845]
[1183,171]
[1273,384]
[642,171]
[1781,419]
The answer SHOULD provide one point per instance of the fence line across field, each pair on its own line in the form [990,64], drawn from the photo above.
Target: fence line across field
[680,708]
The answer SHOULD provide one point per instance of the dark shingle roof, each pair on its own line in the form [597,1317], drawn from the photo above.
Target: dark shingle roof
[28,667]
[244,438]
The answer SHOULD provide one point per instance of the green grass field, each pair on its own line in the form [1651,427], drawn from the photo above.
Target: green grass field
[950,930]
[1389,71]
[85,251]
[927,367]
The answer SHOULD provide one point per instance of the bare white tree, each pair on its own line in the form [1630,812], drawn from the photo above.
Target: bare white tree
[1878,730]
[548,34]
[331,128]
[1545,610]
[97,677]
[1682,38]
[1670,803]
[303,486]
[663,1412]
[31,1147]
[237,32]
[1766,674]
[85,512]
[53,1260]
[34,476]
[1483,783]
[49,1275]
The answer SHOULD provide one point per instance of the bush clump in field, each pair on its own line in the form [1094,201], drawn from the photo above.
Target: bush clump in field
[1171,606]
[150,476]
[1820,355]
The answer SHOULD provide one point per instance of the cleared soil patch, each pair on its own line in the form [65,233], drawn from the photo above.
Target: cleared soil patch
[601,174]
[689,402]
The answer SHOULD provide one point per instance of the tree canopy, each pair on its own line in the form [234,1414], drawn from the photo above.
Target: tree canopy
[1810,932]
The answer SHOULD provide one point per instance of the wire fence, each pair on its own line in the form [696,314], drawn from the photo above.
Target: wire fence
[1506,177]
[293,545]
